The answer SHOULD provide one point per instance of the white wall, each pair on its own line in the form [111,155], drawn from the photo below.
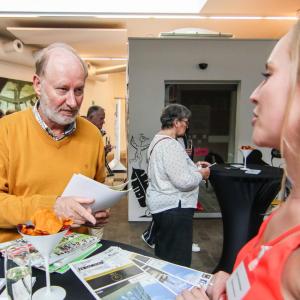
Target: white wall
[104,94]
[152,61]
[14,71]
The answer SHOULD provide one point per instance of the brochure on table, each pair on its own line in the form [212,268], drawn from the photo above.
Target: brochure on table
[72,247]
[82,186]
[117,273]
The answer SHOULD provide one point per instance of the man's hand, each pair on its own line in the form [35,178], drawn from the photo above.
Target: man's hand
[77,209]
[102,217]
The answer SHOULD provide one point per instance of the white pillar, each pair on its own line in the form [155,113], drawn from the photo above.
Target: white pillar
[116,164]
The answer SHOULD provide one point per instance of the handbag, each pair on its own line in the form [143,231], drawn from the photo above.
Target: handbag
[140,180]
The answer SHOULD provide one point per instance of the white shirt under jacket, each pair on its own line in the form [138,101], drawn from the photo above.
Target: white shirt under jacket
[173,176]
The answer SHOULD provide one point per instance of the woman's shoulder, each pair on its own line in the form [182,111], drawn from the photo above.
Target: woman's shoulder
[168,143]
[162,140]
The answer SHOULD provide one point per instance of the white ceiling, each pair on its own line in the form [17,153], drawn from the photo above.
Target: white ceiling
[90,42]
[107,37]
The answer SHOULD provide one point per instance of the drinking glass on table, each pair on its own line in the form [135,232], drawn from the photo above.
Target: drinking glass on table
[246,150]
[45,245]
[18,272]
[189,147]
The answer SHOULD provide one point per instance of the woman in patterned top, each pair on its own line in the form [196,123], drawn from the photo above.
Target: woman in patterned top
[173,187]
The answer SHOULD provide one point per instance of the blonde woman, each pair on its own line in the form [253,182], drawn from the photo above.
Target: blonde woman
[268,267]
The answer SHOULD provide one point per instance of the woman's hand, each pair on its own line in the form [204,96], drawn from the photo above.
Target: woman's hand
[217,287]
[202,164]
[193,294]
[215,291]
[204,169]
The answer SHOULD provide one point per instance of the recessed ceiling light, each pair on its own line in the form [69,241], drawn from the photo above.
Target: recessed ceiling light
[195,32]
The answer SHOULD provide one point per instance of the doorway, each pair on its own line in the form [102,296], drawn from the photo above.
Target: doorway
[212,125]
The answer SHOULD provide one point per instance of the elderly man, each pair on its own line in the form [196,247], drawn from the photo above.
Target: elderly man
[96,115]
[41,148]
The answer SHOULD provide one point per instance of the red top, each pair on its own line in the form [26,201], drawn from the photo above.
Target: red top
[264,262]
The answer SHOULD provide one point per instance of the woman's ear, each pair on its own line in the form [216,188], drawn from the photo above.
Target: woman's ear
[176,123]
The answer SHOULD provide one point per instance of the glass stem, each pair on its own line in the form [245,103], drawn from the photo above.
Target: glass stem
[47,274]
[245,162]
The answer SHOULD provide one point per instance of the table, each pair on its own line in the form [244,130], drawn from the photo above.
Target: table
[243,200]
[69,281]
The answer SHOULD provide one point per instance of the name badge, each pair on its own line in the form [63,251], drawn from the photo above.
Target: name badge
[238,283]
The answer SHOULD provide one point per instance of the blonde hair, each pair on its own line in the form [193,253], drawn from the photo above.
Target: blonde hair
[290,137]
[42,57]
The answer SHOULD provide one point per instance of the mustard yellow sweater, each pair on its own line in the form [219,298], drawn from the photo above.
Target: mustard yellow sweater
[34,168]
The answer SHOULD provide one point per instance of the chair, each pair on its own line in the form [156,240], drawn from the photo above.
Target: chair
[275,154]
[212,157]
[255,157]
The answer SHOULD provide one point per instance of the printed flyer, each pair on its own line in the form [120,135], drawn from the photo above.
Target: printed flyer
[119,274]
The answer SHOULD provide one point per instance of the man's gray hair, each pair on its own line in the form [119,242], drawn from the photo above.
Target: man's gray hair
[42,57]
[174,112]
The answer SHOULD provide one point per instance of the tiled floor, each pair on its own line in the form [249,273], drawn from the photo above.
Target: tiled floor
[207,233]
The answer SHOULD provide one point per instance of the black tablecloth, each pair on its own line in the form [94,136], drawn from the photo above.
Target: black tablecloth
[243,199]
[69,281]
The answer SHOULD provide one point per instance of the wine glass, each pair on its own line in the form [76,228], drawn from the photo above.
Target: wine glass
[45,244]
[189,143]
[245,153]
[189,147]
[18,272]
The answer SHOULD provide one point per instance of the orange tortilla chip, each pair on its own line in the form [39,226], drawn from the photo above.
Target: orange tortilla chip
[45,222]
[247,147]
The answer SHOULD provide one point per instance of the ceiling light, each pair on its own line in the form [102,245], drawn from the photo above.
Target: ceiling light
[252,17]
[17,15]
[193,16]
[195,33]
[112,6]
[151,16]
[159,16]
[105,58]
